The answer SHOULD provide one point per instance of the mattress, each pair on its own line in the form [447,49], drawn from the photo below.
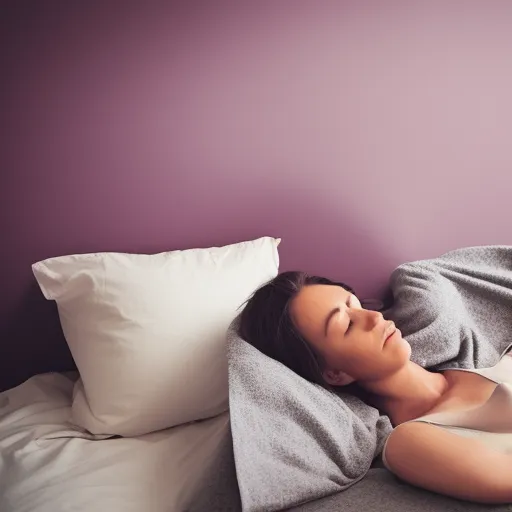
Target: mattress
[47,464]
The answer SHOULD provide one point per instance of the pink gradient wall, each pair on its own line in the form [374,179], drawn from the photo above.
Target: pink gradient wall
[365,134]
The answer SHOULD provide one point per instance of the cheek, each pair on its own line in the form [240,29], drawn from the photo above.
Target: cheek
[362,363]
[355,360]
[337,353]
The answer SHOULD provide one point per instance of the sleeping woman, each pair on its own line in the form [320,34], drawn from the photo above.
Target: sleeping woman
[452,430]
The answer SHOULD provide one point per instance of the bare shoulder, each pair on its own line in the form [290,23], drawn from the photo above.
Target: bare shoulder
[438,460]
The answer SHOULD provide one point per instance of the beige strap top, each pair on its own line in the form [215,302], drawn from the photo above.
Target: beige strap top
[490,422]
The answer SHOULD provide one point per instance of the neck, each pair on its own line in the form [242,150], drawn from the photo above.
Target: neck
[409,393]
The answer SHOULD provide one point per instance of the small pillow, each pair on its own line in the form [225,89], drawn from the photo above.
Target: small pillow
[294,441]
[147,332]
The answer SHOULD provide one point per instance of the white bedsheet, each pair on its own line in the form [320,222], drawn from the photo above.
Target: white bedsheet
[47,465]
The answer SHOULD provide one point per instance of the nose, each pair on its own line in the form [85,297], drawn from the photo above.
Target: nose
[369,318]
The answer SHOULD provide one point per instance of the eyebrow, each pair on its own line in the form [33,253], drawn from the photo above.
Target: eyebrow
[331,314]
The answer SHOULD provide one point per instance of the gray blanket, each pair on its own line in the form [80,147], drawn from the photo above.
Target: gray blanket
[294,442]
[456,310]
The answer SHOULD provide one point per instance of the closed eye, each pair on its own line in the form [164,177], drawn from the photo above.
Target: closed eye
[333,312]
[350,323]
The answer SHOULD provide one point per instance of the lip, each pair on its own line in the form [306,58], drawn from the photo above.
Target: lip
[390,330]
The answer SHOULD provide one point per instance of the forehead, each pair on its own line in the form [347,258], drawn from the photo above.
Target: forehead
[313,303]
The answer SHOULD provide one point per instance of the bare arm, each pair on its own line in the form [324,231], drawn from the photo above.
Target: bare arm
[438,460]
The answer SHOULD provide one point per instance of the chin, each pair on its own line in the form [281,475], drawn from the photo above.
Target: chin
[407,348]
[403,350]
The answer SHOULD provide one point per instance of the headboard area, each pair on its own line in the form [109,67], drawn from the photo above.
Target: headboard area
[364,134]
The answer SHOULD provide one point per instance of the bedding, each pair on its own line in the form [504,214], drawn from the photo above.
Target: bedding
[147,332]
[289,445]
[294,442]
[49,465]
[456,310]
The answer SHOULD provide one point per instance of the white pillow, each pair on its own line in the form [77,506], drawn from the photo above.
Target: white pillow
[147,332]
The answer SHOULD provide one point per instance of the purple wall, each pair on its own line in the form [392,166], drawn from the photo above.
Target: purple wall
[363,133]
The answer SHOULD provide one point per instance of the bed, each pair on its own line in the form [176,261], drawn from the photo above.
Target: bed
[156,420]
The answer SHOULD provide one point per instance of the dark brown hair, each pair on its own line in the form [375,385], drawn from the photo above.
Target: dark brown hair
[266,324]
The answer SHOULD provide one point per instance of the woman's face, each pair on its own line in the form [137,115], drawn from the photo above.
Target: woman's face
[356,344]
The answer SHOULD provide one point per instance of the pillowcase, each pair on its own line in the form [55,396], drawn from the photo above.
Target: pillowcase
[293,440]
[147,332]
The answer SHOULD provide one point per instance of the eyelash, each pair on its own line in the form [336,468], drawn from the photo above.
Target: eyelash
[349,320]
